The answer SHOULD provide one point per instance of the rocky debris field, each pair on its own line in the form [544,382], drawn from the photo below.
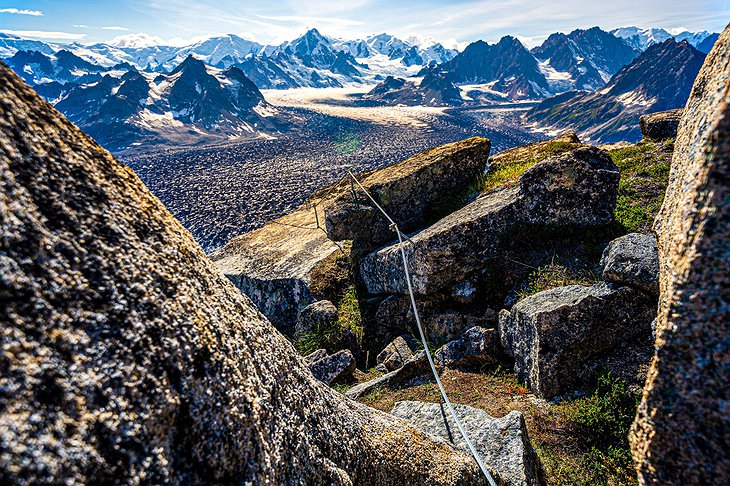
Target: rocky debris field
[539,264]
[224,191]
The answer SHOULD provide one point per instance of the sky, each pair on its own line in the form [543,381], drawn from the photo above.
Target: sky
[451,22]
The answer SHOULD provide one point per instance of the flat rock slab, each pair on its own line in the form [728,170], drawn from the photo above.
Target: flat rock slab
[556,336]
[577,188]
[277,265]
[503,443]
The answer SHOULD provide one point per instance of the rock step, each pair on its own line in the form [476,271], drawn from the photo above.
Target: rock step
[503,443]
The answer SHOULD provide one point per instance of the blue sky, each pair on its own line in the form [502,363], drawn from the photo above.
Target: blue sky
[271,21]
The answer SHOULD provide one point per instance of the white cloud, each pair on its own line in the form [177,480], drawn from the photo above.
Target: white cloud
[301,19]
[81,26]
[43,34]
[17,11]
[114,27]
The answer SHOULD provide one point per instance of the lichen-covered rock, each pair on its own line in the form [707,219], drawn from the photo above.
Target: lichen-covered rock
[320,314]
[660,126]
[408,191]
[577,188]
[682,432]
[128,358]
[632,260]
[503,442]
[464,292]
[396,353]
[475,348]
[335,367]
[556,336]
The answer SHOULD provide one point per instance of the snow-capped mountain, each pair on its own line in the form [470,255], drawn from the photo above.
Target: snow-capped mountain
[60,67]
[10,44]
[706,45]
[507,67]
[583,59]
[311,60]
[643,38]
[194,102]
[658,79]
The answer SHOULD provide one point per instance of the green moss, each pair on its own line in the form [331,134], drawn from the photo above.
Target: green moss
[553,275]
[644,169]
[330,335]
[513,164]
[613,467]
[349,315]
[320,336]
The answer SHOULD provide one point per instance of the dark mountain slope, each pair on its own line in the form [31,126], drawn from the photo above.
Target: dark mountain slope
[659,79]
[507,64]
[590,56]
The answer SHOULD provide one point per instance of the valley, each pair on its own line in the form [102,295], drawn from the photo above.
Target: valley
[220,191]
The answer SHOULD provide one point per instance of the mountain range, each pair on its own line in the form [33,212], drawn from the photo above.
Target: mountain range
[195,102]
[659,79]
[134,90]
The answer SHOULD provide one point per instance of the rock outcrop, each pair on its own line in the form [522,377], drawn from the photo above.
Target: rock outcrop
[336,367]
[682,433]
[289,262]
[396,353]
[660,126]
[320,314]
[475,348]
[503,442]
[408,191]
[279,266]
[557,337]
[577,188]
[632,260]
[128,358]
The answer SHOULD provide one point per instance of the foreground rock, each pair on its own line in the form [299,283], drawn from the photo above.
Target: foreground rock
[632,260]
[408,191]
[337,367]
[682,431]
[660,126]
[557,336]
[503,442]
[128,358]
[577,188]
